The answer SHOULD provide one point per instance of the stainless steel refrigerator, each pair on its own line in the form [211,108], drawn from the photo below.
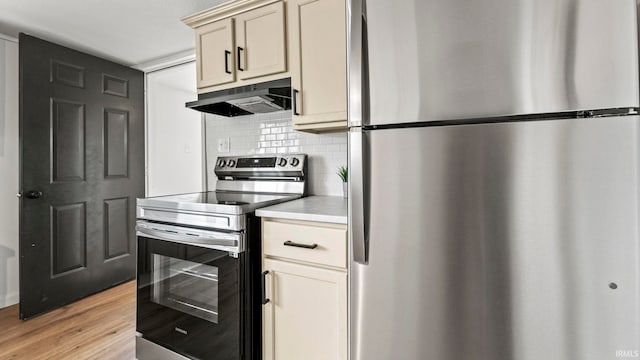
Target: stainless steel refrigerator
[494,163]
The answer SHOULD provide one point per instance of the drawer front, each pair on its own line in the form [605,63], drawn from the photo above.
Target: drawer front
[329,243]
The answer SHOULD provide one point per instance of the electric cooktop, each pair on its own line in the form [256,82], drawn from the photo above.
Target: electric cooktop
[215,202]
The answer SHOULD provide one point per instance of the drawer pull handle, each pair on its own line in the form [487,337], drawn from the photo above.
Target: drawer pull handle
[226,61]
[291,243]
[240,50]
[294,99]
[263,285]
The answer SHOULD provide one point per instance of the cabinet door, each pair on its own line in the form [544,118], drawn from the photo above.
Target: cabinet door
[260,40]
[318,60]
[214,53]
[306,317]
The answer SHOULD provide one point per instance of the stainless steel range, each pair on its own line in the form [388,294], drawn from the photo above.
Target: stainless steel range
[199,261]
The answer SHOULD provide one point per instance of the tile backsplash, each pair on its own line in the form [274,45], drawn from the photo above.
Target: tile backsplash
[272,134]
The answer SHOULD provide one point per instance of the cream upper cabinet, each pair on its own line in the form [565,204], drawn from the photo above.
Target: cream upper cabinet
[317,44]
[306,316]
[260,41]
[305,282]
[214,53]
[240,43]
[245,42]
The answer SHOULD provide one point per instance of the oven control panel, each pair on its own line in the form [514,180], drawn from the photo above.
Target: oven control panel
[277,165]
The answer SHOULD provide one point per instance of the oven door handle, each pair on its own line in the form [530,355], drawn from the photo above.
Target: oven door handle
[196,240]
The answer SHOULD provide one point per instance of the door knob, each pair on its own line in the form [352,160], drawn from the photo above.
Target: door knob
[33,194]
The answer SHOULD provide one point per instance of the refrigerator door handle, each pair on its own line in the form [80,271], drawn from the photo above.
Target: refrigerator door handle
[358,219]
[357,63]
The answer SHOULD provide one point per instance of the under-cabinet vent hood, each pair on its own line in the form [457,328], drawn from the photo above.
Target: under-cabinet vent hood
[259,98]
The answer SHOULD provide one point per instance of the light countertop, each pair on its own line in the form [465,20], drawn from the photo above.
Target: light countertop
[330,209]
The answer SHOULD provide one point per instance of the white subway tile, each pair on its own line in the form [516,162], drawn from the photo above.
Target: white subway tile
[320,148]
[272,133]
[333,148]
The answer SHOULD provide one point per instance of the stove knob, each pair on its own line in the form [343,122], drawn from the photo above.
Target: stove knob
[282,162]
[231,163]
[221,163]
[295,161]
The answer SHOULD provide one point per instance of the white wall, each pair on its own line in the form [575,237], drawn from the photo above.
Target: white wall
[9,173]
[174,133]
[272,133]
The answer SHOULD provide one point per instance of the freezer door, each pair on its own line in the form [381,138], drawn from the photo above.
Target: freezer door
[512,241]
[427,60]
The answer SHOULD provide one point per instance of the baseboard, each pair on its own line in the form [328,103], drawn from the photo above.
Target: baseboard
[11,299]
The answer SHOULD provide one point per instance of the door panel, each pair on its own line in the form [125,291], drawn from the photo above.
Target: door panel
[82,148]
[512,241]
[68,130]
[214,53]
[318,52]
[113,85]
[116,140]
[116,227]
[67,74]
[440,59]
[305,318]
[69,242]
[260,40]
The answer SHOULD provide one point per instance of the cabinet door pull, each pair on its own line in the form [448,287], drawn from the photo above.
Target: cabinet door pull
[226,61]
[264,287]
[294,98]
[240,50]
[291,243]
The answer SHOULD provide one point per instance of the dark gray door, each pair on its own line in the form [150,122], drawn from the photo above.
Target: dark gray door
[82,167]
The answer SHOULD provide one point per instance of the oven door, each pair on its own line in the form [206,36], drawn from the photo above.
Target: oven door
[189,298]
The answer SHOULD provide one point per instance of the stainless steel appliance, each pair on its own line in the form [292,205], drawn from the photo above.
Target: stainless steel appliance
[199,261]
[494,161]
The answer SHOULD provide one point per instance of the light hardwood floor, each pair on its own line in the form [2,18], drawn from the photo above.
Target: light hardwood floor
[101,326]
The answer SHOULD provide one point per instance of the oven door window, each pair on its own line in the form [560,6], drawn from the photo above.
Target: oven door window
[186,286]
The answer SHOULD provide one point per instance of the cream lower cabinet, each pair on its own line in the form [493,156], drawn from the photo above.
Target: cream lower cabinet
[317,44]
[305,316]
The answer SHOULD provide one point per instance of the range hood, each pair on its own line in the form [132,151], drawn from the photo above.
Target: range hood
[258,98]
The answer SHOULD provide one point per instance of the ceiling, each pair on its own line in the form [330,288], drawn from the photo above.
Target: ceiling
[130,32]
